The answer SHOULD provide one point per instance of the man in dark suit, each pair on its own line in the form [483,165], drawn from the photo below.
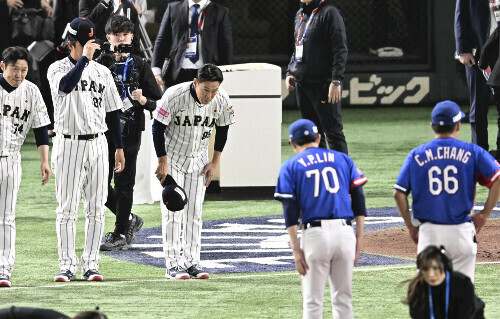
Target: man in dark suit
[99,12]
[192,33]
[474,22]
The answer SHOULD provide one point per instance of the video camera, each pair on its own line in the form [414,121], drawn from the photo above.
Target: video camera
[124,71]
[107,56]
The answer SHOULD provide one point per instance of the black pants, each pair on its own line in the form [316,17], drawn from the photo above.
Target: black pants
[496,95]
[121,197]
[313,105]
[479,103]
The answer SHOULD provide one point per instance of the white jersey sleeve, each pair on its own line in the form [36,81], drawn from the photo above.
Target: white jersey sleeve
[39,110]
[112,97]
[55,73]
[169,104]
[226,106]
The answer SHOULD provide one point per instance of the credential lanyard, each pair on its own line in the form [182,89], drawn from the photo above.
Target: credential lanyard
[125,76]
[308,22]
[200,24]
[202,18]
[431,305]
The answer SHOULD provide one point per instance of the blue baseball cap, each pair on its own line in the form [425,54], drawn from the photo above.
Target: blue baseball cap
[302,128]
[82,29]
[446,113]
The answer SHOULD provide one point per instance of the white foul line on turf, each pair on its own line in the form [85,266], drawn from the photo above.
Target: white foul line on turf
[294,273]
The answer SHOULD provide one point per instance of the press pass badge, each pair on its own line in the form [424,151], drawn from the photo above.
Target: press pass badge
[191,46]
[299,50]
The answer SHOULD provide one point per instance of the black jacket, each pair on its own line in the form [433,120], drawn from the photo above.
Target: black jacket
[150,90]
[217,43]
[490,57]
[99,13]
[325,45]
[464,304]
[5,26]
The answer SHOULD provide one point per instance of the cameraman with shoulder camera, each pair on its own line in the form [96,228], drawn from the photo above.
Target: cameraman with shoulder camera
[133,78]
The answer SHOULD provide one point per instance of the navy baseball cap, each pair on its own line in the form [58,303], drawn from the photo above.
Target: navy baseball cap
[302,128]
[83,29]
[173,196]
[446,113]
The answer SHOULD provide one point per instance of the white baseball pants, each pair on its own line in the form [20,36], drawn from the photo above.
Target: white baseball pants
[194,186]
[329,251]
[81,169]
[458,241]
[10,179]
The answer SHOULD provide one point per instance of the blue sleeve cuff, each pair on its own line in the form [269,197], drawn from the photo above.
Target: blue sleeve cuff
[41,136]
[220,137]
[70,80]
[159,138]
[291,211]
[114,127]
[358,201]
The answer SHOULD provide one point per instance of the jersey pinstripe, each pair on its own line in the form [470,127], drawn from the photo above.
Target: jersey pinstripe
[189,128]
[22,109]
[190,124]
[83,110]
[81,166]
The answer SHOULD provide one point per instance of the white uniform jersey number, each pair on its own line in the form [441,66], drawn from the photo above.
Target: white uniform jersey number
[325,173]
[443,179]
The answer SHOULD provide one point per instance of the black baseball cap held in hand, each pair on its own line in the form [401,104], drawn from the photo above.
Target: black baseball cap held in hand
[173,196]
[83,30]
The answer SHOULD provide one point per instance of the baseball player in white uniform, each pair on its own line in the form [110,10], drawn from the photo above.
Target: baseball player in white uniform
[321,192]
[184,121]
[22,107]
[84,95]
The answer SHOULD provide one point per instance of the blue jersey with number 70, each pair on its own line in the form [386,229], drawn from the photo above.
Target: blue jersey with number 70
[320,180]
[442,176]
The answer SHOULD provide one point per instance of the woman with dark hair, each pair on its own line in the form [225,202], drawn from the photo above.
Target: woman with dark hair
[439,292]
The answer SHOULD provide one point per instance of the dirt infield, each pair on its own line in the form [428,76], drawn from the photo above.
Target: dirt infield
[397,242]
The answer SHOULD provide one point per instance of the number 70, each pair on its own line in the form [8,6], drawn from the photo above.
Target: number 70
[325,172]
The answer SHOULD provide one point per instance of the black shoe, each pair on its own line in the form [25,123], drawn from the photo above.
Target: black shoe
[133,227]
[196,272]
[114,241]
[65,276]
[92,275]
[5,281]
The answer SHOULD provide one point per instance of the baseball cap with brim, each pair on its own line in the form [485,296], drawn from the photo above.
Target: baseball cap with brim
[173,196]
[302,128]
[82,29]
[446,113]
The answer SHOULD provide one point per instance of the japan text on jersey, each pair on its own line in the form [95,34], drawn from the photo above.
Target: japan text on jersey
[189,123]
[442,176]
[321,180]
[21,109]
[83,110]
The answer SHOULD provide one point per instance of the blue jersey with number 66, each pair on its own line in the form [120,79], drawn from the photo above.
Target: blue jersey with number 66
[442,176]
[320,180]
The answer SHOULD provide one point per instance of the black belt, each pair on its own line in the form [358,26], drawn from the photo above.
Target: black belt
[86,137]
[317,223]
